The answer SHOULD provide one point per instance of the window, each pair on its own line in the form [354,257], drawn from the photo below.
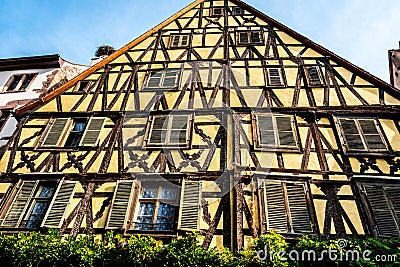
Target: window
[81,86]
[163,79]
[285,207]
[276,131]
[157,206]
[19,82]
[217,11]
[250,38]
[72,133]
[179,41]
[361,135]
[29,205]
[275,77]
[169,131]
[384,203]
[314,77]
[237,10]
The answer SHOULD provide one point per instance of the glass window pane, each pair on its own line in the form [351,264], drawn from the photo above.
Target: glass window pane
[168,193]
[149,192]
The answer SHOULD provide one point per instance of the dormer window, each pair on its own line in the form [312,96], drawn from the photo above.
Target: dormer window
[19,82]
[179,40]
[250,38]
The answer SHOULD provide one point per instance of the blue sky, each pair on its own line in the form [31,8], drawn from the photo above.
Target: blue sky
[361,31]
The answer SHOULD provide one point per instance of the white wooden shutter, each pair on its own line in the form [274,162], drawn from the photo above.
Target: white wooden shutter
[55,132]
[314,76]
[300,219]
[384,219]
[178,128]
[21,201]
[274,76]
[274,206]
[285,131]
[189,212]
[117,216]
[59,206]
[372,137]
[266,130]
[92,132]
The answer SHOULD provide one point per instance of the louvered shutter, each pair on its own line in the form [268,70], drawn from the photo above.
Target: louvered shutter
[352,135]
[92,133]
[371,134]
[274,76]
[55,132]
[178,129]
[266,130]
[274,206]
[157,132]
[117,216]
[299,216]
[383,216]
[59,206]
[285,131]
[189,213]
[185,40]
[18,207]
[314,75]
[171,76]
[155,77]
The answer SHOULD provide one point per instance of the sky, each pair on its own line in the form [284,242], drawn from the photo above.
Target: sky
[361,31]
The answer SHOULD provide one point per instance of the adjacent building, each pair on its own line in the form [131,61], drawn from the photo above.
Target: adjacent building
[220,120]
[25,79]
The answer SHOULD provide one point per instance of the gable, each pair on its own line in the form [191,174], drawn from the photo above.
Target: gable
[193,42]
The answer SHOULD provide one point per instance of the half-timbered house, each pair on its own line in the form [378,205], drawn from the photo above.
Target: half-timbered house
[220,119]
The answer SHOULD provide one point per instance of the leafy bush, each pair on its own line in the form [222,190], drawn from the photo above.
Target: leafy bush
[53,249]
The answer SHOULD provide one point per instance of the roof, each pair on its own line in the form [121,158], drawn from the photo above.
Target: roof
[26,63]
[361,72]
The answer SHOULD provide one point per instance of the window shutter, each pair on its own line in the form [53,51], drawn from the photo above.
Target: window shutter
[92,133]
[266,130]
[157,134]
[274,205]
[179,129]
[171,76]
[117,218]
[383,216]
[314,75]
[300,219]
[59,206]
[18,207]
[255,37]
[55,132]
[285,131]
[274,76]
[189,213]
[185,40]
[243,38]
[371,134]
[352,135]
[155,79]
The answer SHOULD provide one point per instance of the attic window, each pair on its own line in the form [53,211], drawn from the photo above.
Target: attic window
[237,10]
[217,11]
[82,85]
[361,135]
[276,131]
[179,40]
[163,79]
[275,77]
[19,82]
[314,76]
[250,38]
[169,131]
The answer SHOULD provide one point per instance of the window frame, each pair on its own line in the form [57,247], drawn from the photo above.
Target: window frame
[249,33]
[157,201]
[277,147]
[235,13]
[167,144]
[180,44]
[162,80]
[214,14]
[366,150]
[89,84]
[309,79]
[19,86]
[284,181]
